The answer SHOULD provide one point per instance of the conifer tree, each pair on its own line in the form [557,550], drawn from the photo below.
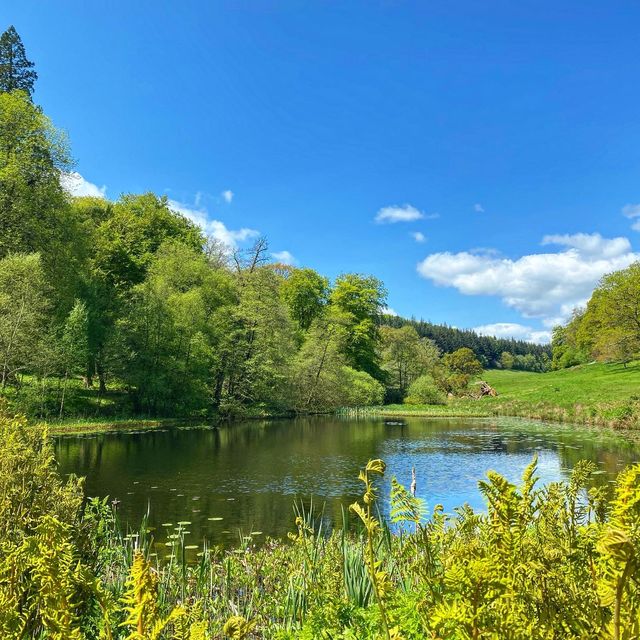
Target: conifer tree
[16,70]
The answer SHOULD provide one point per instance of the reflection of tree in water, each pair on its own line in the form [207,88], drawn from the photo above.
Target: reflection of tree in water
[250,473]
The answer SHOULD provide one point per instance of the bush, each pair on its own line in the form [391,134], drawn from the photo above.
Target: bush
[360,389]
[423,390]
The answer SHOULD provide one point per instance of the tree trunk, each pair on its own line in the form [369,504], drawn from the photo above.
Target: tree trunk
[102,388]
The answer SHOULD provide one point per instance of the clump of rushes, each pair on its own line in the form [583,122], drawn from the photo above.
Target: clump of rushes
[381,580]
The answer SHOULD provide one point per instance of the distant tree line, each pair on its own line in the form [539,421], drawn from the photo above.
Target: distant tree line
[492,352]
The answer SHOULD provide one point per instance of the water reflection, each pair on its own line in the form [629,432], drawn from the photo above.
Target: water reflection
[246,476]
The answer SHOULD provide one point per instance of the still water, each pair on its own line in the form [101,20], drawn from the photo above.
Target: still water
[245,477]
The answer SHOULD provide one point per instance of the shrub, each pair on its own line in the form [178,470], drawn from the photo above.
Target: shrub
[423,390]
[360,389]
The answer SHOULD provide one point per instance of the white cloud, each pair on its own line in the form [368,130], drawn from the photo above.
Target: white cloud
[74,184]
[227,196]
[478,208]
[513,330]
[389,311]
[591,244]
[541,285]
[395,213]
[214,228]
[285,257]
[418,236]
[632,211]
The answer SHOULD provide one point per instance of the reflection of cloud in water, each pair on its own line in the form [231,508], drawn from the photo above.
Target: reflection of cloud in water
[451,479]
[249,473]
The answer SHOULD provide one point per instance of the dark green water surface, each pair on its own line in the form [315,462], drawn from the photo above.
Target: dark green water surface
[247,475]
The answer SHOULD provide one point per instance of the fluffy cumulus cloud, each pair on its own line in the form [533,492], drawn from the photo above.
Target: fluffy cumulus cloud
[514,330]
[227,196]
[74,184]
[213,228]
[395,213]
[285,257]
[541,285]
[418,236]
[632,211]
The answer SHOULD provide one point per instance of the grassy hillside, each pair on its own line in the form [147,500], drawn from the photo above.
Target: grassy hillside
[587,384]
[604,394]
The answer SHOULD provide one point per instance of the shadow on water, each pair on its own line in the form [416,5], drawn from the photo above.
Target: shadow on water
[246,476]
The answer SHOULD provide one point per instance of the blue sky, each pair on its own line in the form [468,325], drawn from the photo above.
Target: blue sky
[506,134]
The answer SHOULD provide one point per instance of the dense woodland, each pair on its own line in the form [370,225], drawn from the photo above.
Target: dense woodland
[125,307]
[498,353]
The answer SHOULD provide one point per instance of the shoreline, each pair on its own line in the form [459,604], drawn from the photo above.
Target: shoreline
[579,415]
[464,410]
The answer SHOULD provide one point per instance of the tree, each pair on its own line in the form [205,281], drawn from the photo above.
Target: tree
[16,71]
[74,345]
[405,357]
[317,378]
[359,389]
[463,361]
[23,306]
[305,291]
[361,299]
[260,345]
[457,369]
[506,360]
[166,341]
[567,349]
[610,326]
[129,234]
[33,154]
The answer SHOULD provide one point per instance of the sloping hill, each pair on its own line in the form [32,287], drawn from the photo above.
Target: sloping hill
[601,394]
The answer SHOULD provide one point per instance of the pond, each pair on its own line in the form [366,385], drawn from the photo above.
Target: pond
[245,477]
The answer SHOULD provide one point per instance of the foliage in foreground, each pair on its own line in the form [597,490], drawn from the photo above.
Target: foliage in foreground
[560,561]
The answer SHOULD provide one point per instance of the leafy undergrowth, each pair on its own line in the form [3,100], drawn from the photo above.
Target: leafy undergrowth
[560,561]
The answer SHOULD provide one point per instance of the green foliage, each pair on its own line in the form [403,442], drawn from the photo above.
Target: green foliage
[558,561]
[619,563]
[172,324]
[23,304]
[405,357]
[608,329]
[360,299]
[463,362]
[16,70]
[506,360]
[41,581]
[424,390]
[360,389]
[32,201]
[305,292]
[405,507]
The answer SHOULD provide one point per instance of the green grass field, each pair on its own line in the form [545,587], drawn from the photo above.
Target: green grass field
[602,394]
